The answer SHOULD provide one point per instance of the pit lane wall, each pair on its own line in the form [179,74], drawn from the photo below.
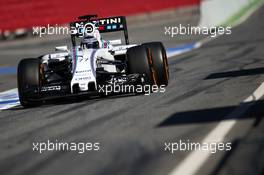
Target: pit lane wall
[225,12]
[27,13]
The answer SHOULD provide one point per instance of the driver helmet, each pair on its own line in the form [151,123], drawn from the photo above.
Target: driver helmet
[90,42]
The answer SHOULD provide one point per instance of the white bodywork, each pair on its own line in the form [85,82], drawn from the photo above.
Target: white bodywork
[84,62]
[84,68]
[54,57]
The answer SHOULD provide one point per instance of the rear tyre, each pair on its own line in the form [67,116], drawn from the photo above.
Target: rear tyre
[160,62]
[139,62]
[28,81]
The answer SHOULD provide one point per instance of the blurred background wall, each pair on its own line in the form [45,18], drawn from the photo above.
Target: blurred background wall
[27,13]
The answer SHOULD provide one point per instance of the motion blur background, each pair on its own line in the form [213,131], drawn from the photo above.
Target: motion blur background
[19,16]
[27,13]
[23,14]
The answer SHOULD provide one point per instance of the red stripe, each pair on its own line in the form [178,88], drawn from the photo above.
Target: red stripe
[28,13]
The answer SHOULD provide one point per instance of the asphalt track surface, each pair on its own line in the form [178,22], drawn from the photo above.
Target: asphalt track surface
[206,85]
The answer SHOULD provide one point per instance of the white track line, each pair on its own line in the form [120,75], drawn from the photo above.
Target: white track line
[9,99]
[193,162]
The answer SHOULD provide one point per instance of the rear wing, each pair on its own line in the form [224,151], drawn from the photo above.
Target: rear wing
[104,25]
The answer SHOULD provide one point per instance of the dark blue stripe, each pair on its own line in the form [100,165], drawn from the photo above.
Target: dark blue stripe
[8,101]
[8,70]
[75,57]
[92,62]
[182,47]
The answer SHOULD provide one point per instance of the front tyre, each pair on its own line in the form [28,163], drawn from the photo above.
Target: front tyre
[28,81]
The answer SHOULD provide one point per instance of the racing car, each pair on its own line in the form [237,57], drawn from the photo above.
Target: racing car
[90,63]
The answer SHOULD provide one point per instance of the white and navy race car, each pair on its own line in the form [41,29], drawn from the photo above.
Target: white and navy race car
[91,63]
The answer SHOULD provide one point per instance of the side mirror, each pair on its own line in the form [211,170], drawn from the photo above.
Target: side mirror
[62,48]
[115,42]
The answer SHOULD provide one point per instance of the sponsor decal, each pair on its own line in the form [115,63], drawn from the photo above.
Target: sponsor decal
[50,88]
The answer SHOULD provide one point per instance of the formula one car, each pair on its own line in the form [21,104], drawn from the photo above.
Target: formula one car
[91,63]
